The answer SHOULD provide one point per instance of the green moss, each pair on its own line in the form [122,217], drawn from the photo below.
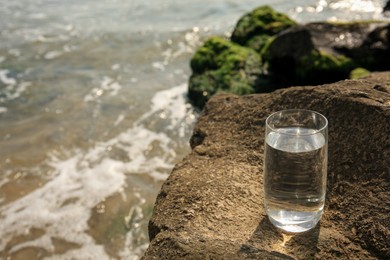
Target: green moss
[320,65]
[264,50]
[259,42]
[359,73]
[253,28]
[222,66]
[219,53]
[204,58]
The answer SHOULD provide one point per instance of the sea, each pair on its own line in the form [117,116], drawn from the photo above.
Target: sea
[94,113]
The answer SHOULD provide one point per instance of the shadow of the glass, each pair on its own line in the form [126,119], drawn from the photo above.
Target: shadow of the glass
[269,242]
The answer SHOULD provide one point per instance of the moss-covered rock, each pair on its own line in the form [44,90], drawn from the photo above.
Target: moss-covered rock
[222,66]
[255,28]
[318,53]
[268,50]
[236,66]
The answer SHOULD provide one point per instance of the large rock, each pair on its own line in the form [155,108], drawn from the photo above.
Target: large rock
[318,53]
[211,206]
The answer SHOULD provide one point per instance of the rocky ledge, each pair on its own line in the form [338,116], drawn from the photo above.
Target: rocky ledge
[211,206]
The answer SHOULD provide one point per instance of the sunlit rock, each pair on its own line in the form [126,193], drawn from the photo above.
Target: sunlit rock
[211,205]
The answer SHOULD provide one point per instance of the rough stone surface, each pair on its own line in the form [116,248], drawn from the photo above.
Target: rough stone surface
[211,207]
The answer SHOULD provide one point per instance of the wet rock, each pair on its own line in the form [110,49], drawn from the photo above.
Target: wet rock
[318,53]
[375,51]
[211,205]
[386,8]
[222,66]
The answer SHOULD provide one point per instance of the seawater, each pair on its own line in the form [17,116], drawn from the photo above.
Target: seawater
[295,178]
[94,115]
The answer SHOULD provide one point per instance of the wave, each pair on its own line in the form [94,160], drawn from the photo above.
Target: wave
[63,205]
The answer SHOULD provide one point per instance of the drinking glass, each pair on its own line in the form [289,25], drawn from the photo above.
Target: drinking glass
[295,168]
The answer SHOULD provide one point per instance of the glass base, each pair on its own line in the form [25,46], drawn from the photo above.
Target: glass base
[294,222]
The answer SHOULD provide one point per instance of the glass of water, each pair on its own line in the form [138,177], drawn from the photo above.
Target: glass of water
[295,168]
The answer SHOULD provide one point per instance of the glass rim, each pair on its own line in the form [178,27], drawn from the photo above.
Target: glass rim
[297,109]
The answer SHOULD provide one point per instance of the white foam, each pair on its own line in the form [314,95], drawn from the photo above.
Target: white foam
[13,89]
[93,95]
[5,79]
[62,207]
[111,86]
[134,219]
[108,85]
[52,55]
[159,65]
[172,102]
[46,207]
[115,66]
[3,110]
[119,119]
